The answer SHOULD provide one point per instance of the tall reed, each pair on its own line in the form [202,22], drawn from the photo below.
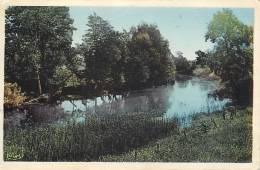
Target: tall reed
[85,141]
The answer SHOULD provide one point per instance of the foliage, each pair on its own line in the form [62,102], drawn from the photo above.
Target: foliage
[64,77]
[38,51]
[13,97]
[95,48]
[79,141]
[228,140]
[104,51]
[130,59]
[13,152]
[37,40]
[183,66]
[205,72]
[39,56]
[232,56]
[202,58]
[150,60]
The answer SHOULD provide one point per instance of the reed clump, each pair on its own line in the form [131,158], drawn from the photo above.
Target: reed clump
[85,141]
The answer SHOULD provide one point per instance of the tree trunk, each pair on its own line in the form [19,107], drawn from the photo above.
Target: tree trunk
[36,65]
[95,105]
[39,82]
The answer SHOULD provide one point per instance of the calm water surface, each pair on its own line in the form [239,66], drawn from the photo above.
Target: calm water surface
[181,100]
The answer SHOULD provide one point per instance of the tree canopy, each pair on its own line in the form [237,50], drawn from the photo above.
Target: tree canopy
[232,56]
[132,59]
[150,59]
[183,66]
[38,40]
[39,56]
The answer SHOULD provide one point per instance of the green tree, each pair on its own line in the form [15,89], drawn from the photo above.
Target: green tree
[94,47]
[232,53]
[183,66]
[38,39]
[104,51]
[119,54]
[149,61]
[202,58]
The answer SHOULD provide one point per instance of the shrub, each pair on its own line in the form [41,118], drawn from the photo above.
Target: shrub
[13,97]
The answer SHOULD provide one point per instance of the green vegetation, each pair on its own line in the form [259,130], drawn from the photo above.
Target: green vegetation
[150,60]
[39,56]
[63,77]
[133,138]
[206,73]
[37,41]
[183,66]
[86,141]
[232,56]
[209,139]
[40,59]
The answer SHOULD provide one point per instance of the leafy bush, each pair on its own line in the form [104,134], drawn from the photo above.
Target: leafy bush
[64,77]
[183,66]
[13,97]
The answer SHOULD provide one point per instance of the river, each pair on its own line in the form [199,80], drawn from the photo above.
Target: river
[181,100]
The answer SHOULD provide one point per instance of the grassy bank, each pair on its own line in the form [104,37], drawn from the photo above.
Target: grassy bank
[140,137]
[209,139]
[85,141]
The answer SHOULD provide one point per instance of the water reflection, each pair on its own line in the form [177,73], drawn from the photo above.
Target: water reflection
[192,98]
[183,99]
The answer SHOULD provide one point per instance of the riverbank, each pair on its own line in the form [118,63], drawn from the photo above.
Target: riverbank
[205,73]
[86,140]
[122,126]
[209,139]
[138,138]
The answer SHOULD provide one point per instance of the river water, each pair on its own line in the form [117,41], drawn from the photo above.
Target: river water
[181,100]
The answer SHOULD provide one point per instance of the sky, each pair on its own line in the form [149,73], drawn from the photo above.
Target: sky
[184,28]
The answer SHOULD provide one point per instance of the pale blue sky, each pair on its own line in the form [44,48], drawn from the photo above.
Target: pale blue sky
[183,27]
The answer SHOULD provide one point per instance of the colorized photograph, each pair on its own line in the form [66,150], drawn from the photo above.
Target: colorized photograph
[128,84]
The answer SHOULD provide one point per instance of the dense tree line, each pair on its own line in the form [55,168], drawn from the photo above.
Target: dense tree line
[232,55]
[37,42]
[40,58]
[39,55]
[124,60]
